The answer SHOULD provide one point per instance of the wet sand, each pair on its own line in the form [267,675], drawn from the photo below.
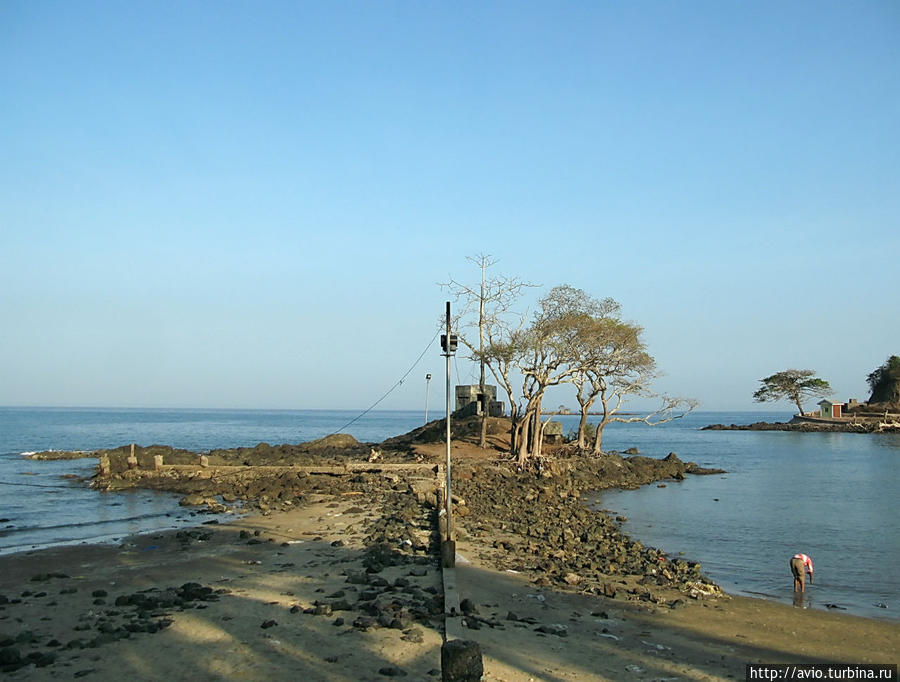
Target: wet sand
[267,573]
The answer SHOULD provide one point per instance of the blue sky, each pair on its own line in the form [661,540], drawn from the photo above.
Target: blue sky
[251,204]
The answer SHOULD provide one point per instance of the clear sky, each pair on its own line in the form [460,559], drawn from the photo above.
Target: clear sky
[250,204]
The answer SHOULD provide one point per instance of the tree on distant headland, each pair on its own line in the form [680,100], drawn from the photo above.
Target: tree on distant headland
[792,384]
[885,382]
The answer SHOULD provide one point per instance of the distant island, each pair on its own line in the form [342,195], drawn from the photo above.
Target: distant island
[849,417]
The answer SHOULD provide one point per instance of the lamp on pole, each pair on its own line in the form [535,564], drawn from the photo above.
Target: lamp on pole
[448,549]
[427,384]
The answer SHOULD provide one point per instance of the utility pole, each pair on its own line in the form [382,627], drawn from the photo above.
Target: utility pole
[448,549]
[427,384]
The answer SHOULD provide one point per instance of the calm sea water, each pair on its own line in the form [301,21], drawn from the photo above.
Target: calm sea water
[40,508]
[832,496]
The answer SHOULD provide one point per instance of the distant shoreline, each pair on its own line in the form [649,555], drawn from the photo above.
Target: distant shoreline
[813,425]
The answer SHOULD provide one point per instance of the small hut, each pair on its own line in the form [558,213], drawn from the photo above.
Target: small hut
[830,409]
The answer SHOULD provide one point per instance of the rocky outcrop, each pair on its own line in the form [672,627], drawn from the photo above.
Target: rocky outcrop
[546,530]
[805,427]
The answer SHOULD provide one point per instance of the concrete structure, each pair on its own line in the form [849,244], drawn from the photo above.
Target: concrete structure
[469,401]
[830,409]
[553,432]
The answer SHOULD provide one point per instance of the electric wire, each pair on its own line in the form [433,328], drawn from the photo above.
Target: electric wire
[390,390]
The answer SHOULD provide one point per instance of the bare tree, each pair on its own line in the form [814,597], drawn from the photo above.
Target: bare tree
[504,346]
[612,364]
[493,298]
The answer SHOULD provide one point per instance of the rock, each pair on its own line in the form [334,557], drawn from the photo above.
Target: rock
[553,629]
[10,656]
[413,635]
[358,578]
[461,661]
[467,606]
[701,590]
[392,671]
[336,440]
[43,577]
[364,622]
[268,624]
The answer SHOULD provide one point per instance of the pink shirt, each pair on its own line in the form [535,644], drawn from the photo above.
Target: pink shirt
[807,562]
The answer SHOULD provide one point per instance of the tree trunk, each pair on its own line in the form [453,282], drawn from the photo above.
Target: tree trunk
[582,425]
[537,432]
[522,445]
[482,438]
[799,407]
[513,428]
[598,438]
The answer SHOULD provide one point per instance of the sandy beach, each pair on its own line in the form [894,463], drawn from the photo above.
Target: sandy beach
[259,626]
[258,622]
[346,584]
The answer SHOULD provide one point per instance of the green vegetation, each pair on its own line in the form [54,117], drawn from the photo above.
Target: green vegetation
[793,385]
[885,382]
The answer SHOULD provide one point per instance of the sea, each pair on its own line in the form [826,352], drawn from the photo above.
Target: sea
[832,496]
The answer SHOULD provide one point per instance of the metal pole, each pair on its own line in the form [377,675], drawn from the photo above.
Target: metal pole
[449,496]
[427,384]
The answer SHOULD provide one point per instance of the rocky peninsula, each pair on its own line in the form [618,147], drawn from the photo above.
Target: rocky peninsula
[331,569]
[806,425]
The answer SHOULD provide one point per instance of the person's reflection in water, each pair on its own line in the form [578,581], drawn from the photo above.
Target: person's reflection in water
[802,600]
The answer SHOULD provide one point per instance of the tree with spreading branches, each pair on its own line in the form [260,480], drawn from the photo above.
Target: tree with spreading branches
[578,339]
[612,364]
[793,385]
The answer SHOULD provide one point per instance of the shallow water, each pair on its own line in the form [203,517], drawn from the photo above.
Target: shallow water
[829,495]
[40,508]
[832,496]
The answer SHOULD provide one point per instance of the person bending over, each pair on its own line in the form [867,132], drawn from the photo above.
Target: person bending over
[800,565]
